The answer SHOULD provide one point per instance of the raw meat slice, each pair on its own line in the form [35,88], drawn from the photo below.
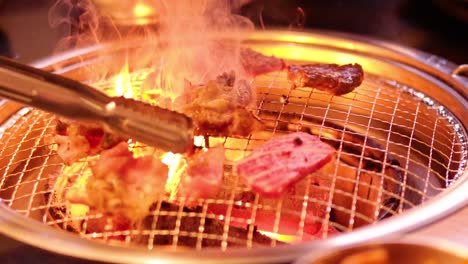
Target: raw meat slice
[282,161]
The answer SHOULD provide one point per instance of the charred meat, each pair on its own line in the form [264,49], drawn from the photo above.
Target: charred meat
[76,140]
[282,161]
[123,185]
[333,78]
[220,107]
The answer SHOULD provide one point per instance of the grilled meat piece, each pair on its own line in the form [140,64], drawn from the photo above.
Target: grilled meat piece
[76,140]
[282,161]
[220,107]
[123,185]
[189,229]
[255,63]
[333,78]
[204,174]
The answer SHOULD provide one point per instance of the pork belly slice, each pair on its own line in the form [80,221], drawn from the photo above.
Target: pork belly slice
[282,161]
[204,175]
[221,107]
[123,185]
[75,140]
[333,78]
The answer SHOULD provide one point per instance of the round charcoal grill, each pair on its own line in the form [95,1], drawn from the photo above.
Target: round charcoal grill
[401,158]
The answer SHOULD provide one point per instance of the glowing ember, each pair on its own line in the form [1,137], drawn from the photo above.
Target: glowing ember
[279,237]
[199,141]
[142,10]
[78,210]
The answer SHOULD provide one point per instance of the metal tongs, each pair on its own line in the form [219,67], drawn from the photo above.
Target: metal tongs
[152,125]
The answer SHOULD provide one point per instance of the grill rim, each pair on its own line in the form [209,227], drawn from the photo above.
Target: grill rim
[26,230]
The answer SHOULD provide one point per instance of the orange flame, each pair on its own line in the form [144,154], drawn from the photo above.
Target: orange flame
[279,237]
[142,10]
[123,84]
[177,165]
[199,141]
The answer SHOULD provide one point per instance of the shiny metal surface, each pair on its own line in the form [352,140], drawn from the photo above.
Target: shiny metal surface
[416,249]
[461,70]
[410,69]
[152,125]
[461,74]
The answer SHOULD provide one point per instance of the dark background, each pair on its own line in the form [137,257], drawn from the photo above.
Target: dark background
[438,26]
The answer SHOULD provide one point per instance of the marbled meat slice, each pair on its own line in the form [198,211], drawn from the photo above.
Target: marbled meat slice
[333,78]
[204,174]
[255,63]
[123,185]
[76,140]
[282,161]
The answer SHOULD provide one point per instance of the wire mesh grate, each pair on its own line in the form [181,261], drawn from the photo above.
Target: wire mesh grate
[395,150]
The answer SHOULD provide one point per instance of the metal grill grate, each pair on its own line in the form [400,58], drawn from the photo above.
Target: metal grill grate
[396,148]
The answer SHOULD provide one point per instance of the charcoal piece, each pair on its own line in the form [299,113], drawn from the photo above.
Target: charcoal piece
[237,236]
